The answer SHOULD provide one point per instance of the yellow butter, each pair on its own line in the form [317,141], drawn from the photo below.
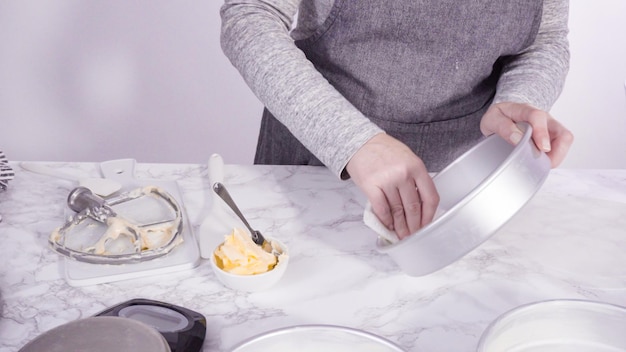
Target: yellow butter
[240,255]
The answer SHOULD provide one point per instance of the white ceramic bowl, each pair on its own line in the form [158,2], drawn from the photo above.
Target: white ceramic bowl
[480,191]
[252,283]
[558,325]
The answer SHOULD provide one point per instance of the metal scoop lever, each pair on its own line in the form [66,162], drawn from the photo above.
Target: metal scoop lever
[256,235]
[83,200]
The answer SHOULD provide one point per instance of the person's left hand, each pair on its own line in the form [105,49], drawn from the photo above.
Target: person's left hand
[549,135]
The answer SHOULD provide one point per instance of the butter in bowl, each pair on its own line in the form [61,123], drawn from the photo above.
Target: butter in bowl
[241,264]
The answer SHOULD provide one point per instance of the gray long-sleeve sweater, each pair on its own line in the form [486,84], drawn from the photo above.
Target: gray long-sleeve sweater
[258,37]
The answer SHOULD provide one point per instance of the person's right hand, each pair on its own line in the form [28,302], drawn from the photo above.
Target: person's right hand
[396,183]
[549,135]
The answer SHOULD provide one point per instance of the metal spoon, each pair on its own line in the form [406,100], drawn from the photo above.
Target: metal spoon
[256,235]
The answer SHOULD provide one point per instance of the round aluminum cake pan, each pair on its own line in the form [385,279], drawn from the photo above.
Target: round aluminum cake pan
[314,338]
[479,192]
[99,334]
[558,325]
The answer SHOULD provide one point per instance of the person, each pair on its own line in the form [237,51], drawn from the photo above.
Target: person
[384,92]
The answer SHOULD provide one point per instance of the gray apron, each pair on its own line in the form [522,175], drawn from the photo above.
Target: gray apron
[423,71]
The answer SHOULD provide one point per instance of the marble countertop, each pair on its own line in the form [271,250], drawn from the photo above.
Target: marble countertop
[568,242]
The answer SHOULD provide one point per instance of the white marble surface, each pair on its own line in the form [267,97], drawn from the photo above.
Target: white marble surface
[568,242]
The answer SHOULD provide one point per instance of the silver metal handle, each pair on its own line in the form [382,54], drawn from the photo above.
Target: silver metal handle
[82,200]
[223,193]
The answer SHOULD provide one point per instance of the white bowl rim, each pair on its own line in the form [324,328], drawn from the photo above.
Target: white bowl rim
[560,301]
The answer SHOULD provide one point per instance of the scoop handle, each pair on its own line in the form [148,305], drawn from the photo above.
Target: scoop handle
[81,198]
[46,170]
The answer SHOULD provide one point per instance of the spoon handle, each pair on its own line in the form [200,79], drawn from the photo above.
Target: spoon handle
[221,191]
[46,170]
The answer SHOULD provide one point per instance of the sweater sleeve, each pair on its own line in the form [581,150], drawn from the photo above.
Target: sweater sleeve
[255,37]
[536,76]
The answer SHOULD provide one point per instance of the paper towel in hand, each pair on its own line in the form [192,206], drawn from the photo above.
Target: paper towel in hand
[371,220]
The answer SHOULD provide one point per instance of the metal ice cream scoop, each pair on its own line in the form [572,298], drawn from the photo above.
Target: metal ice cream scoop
[123,240]
[256,235]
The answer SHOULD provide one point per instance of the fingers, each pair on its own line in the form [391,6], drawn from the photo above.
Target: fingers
[548,134]
[398,207]
[496,120]
[380,207]
[562,140]
[405,207]
[429,199]
[538,119]
[397,184]
[502,118]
